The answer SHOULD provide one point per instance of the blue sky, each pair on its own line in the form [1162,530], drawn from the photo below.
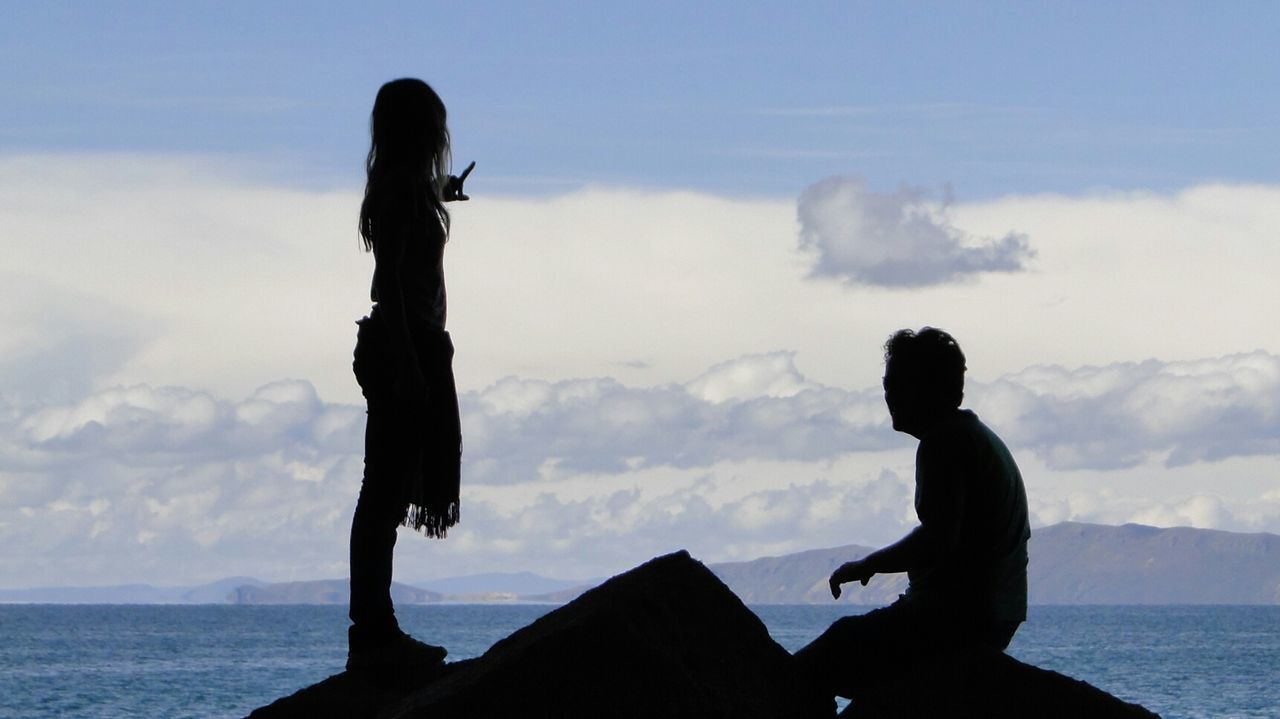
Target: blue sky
[724,97]
[692,228]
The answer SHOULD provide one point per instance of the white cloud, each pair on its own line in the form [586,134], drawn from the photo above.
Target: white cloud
[898,239]
[1201,511]
[604,426]
[766,375]
[184,271]
[1109,417]
[586,476]
[1122,414]
[585,325]
[59,341]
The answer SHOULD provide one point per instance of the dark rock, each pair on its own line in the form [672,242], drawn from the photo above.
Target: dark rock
[992,685]
[341,696]
[668,639]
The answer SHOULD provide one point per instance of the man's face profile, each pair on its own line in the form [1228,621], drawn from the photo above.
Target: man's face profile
[908,408]
[896,392]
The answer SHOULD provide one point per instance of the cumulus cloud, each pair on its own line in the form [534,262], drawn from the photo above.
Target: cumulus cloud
[170,484]
[621,527]
[748,458]
[145,425]
[755,407]
[155,275]
[265,485]
[1227,505]
[1119,415]
[897,239]
[760,407]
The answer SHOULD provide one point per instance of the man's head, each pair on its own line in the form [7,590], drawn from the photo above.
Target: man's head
[923,378]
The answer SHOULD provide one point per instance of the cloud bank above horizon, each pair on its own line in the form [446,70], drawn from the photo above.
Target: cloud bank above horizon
[640,370]
[591,475]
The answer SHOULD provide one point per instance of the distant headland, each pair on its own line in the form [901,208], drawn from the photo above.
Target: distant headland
[1071,563]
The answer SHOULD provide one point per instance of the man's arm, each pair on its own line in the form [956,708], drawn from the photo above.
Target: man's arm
[940,504]
[940,509]
[911,551]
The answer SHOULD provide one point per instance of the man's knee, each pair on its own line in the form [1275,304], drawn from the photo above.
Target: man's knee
[856,651]
[838,638]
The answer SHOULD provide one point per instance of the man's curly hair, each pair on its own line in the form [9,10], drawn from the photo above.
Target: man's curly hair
[931,359]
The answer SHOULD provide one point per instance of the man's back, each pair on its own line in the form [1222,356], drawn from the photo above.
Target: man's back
[970,495]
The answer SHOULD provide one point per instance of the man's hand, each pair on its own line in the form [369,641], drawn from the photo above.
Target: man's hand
[855,571]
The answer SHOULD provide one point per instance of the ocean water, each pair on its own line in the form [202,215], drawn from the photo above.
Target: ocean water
[224,661]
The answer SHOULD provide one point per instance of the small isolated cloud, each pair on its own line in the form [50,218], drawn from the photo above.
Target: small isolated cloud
[764,375]
[898,239]
[1201,511]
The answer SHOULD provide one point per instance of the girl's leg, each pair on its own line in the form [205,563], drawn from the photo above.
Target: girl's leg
[379,511]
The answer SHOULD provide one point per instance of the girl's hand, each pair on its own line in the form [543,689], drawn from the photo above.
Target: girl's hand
[453,187]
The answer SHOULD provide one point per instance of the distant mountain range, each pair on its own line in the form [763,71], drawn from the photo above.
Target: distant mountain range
[513,583]
[1074,563]
[1071,563]
[490,587]
[211,593]
[322,591]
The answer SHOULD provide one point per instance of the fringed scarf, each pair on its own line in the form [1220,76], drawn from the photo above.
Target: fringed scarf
[429,448]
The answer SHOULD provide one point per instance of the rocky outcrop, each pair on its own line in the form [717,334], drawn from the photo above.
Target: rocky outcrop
[991,685]
[668,639]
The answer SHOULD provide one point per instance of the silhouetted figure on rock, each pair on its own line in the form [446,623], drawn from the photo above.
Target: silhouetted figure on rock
[966,561]
[403,362]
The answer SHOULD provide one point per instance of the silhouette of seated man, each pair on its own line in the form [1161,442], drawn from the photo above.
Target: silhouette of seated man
[967,560]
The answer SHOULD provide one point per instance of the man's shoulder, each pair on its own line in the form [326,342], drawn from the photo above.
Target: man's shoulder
[966,425]
[956,428]
[961,436]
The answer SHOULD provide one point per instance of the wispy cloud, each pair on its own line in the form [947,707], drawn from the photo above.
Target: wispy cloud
[924,110]
[785,153]
[232,104]
[820,111]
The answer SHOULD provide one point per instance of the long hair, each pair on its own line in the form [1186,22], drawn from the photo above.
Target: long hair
[408,159]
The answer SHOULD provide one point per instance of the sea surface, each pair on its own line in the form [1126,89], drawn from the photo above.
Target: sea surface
[118,661]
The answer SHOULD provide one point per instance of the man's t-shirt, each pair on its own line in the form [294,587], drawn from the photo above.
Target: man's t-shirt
[970,499]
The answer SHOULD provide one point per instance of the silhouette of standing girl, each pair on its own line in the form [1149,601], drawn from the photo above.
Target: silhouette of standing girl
[403,362]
